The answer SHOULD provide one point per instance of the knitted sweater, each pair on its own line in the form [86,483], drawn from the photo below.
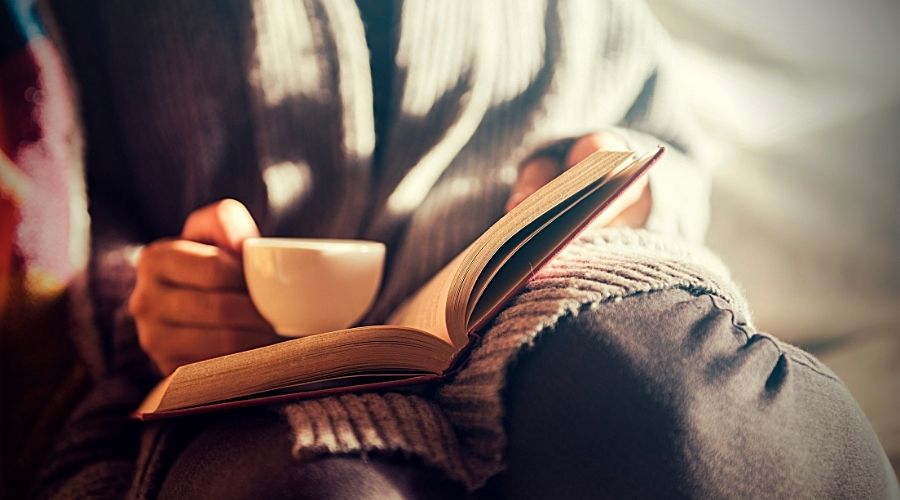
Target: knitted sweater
[270,102]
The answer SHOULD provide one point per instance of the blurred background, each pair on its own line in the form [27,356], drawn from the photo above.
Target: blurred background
[801,102]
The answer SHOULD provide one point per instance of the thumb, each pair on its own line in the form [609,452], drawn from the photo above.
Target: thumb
[632,207]
[225,224]
[532,175]
[590,143]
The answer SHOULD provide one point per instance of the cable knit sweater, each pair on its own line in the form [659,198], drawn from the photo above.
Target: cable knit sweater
[271,102]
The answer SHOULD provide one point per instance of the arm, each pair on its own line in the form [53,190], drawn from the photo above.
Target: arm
[115,241]
[128,209]
[658,114]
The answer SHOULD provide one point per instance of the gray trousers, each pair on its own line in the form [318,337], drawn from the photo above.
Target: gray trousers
[658,395]
[661,395]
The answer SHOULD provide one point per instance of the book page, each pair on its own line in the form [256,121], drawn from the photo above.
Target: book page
[499,243]
[532,253]
[426,310]
[369,351]
[501,262]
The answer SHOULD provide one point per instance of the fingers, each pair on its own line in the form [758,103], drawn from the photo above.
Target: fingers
[192,284]
[195,308]
[630,209]
[226,224]
[532,175]
[190,303]
[540,170]
[172,346]
[190,264]
[591,143]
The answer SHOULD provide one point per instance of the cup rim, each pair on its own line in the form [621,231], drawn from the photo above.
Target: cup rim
[317,244]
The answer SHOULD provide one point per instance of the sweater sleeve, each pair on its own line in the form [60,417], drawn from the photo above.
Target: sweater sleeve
[679,188]
[116,243]
[116,226]
[613,69]
[659,115]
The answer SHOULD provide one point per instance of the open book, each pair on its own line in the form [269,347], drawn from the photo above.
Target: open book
[428,336]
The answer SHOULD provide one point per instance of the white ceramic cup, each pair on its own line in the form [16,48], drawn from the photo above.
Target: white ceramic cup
[304,286]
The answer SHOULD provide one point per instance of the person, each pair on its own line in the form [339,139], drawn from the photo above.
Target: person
[628,367]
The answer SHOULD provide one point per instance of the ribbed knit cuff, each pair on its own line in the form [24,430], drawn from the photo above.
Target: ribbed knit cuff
[377,423]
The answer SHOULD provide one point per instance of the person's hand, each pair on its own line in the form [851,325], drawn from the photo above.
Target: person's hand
[190,300]
[630,209]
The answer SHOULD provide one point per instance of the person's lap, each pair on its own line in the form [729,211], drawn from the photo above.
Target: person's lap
[660,394]
[248,455]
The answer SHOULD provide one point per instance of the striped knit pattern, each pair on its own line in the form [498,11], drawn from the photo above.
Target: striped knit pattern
[372,422]
[271,103]
[461,432]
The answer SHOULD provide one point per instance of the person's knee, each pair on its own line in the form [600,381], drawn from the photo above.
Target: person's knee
[607,395]
[676,387]
[662,350]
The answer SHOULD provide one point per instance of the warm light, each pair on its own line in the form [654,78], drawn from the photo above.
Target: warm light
[286,182]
